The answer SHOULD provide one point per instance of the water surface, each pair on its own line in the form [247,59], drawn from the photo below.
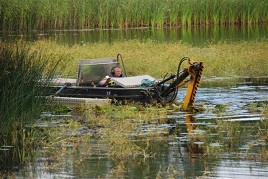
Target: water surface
[175,155]
[196,36]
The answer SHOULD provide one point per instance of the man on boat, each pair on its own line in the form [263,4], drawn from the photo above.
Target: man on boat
[115,72]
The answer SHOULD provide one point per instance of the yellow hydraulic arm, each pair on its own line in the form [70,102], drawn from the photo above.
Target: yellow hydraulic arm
[195,70]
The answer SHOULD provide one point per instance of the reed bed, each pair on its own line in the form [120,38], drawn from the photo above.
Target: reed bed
[26,15]
[21,71]
[224,59]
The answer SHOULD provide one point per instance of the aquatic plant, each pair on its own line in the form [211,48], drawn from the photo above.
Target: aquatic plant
[233,136]
[223,59]
[21,90]
[121,127]
[265,110]
[259,107]
[112,131]
[171,172]
[70,142]
[117,133]
[26,15]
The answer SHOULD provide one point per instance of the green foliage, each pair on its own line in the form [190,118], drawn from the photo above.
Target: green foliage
[156,59]
[21,73]
[265,110]
[130,111]
[120,125]
[86,14]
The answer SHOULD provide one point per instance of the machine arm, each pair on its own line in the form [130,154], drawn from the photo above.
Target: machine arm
[173,86]
[194,70]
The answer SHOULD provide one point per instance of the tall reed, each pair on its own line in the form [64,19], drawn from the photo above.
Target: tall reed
[85,14]
[21,72]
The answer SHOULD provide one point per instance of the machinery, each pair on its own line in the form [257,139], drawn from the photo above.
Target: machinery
[143,88]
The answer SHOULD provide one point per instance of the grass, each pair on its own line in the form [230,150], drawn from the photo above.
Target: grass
[24,64]
[21,71]
[26,15]
[112,135]
[120,128]
[230,136]
[115,134]
[224,59]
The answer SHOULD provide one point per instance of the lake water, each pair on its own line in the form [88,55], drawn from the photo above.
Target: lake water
[196,36]
[176,156]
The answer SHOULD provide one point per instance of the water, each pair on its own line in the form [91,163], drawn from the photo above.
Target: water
[197,36]
[175,155]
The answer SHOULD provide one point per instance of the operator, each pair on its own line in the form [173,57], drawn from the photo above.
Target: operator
[115,72]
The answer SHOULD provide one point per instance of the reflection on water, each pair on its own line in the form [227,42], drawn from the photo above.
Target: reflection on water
[181,153]
[196,36]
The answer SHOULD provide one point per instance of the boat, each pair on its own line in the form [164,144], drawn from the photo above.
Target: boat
[141,88]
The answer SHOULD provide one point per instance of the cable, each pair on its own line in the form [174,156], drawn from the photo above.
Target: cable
[182,60]
[125,72]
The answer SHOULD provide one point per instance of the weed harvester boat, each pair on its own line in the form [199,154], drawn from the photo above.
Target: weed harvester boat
[143,88]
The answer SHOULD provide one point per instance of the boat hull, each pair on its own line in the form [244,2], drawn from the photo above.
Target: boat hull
[143,95]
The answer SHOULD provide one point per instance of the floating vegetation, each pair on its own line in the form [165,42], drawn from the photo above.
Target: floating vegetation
[231,137]
[224,59]
[132,134]
[129,132]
